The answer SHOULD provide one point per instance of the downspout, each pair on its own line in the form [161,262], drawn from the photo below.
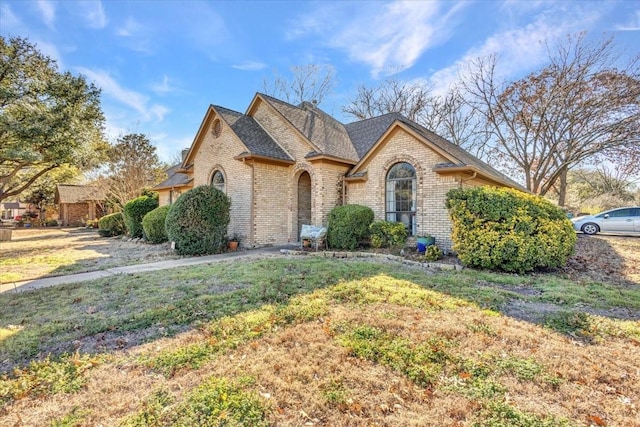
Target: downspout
[475,174]
[344,190]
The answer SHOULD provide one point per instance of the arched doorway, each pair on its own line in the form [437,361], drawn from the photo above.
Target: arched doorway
[304,200]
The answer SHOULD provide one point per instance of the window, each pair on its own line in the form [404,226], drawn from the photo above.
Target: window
[618,213]
[401,196]
[218,181]
[216,128]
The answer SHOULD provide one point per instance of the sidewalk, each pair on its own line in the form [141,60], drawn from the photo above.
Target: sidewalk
[46,282]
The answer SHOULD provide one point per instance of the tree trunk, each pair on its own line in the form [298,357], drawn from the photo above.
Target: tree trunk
[562,190]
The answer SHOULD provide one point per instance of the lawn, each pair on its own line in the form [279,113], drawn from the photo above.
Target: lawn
[41,252]
[321,341]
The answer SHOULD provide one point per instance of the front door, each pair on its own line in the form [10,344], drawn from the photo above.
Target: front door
[304,200]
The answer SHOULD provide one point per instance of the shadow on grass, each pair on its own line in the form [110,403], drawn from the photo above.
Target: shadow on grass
[126,310]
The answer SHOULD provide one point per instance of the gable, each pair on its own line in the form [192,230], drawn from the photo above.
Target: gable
[323,135]
[453,159]
[254,139]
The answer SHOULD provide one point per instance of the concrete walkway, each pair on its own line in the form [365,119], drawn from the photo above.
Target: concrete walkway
[46,282]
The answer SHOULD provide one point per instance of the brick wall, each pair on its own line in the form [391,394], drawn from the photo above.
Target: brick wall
[431,214]
[217,154]
[74,214]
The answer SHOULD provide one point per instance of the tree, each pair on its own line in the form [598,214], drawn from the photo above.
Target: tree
[446,115]
[47,118]
[133,166]
[309,82]
[562,116]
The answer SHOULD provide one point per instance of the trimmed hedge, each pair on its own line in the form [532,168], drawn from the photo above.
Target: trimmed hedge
[111,225]
[506,229]
[387,233]
[197,221]
[153,225]
[135,210]
[348,226]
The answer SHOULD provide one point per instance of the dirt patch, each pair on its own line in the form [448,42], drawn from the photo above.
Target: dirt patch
[605,259]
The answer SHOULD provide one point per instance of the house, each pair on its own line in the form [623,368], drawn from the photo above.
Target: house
[284,166]
[78,203]
[10,210]
[176,183]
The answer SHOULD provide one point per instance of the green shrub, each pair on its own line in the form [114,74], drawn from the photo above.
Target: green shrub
[433,253]
[111,225]
[135,210]
[153,225]
[387,233]
[348,226]
[197,221]
[51,223]
[506,229]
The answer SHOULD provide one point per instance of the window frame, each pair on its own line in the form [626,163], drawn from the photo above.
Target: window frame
[395,186]
[215,173]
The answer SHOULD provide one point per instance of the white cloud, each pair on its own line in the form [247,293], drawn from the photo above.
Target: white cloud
[130,28]
[519,49]
[388,37]
[633,24]
[136,36]
[48,12]
[250,66]
[92,12]
[10,22]
[130,98]
[163,87]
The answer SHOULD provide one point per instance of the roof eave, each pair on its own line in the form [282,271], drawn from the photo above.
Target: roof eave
[358,178]
[171,187]
[326,157]
[475,172]
[264,159]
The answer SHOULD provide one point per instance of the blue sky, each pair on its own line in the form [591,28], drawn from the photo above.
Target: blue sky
[161,63]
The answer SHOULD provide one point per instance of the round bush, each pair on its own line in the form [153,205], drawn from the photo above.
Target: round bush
[111,225]
[197,221]
[506,229]
[348,226]
[135,210]
[153,225]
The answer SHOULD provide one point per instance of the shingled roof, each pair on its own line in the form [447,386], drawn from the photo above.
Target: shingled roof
[175,179]
[71,193]
[329,136]
[365,133]
[257,141]
[464,158]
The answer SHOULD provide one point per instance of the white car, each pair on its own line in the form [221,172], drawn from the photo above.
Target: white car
[621,220]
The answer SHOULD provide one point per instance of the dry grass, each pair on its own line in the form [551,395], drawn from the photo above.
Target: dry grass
[606,259]
[305,374]
[496,369]
[34,253]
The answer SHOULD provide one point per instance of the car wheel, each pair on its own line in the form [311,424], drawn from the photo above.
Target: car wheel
[590,229]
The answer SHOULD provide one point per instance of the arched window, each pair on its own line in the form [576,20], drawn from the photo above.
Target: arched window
[217,180]
[401,196]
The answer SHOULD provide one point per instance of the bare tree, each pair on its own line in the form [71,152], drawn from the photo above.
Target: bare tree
[448,115]
[561,116]
[309,82]
[392,96]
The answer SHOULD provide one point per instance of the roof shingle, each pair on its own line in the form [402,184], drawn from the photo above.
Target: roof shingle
[70,193]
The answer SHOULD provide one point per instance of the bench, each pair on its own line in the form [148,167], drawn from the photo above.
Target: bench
[316,235]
